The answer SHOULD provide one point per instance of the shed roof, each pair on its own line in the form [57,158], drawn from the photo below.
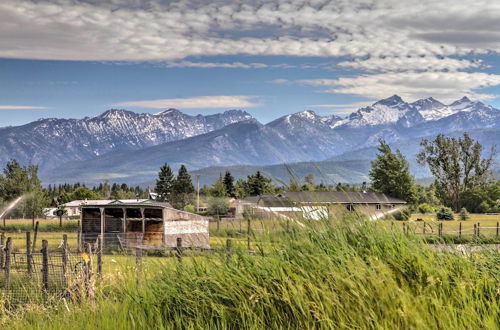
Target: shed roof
[121,202]
[324,197]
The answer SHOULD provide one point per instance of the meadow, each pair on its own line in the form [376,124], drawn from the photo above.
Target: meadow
[344,273]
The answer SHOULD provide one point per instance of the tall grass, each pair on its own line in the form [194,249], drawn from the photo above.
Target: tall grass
[12,226]
[345,274]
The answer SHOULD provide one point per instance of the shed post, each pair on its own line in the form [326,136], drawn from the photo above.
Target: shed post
[103,217]
[124,225]
[143,224]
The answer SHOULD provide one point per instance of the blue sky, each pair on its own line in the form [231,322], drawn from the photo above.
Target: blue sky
[71,59]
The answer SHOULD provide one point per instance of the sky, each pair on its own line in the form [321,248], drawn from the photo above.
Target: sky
[72,59]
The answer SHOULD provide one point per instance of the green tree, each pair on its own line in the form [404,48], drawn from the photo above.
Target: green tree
[217,206]
[257,184]
[229,184]
[23,181]
[444,213]
[165,183]
[218,189]
[390,174]
[240,189]
[82,193]
[456,165]
[182,189]
[464,215]
[105,190]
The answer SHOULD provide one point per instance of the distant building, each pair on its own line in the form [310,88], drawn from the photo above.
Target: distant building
[319,204]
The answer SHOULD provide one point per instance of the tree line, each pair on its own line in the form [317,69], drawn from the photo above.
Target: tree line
[462,180]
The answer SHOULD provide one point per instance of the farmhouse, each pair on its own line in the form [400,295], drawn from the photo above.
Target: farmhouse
[320,204]
[141,222]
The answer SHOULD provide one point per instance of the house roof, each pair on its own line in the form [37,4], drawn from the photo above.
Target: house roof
[324,197]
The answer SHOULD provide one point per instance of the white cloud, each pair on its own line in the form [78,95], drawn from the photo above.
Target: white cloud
[200,102]
[424,63]
[110,30]
[20,107]
[414,48]
[446,86]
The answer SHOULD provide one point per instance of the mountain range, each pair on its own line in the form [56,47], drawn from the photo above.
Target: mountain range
[123,146]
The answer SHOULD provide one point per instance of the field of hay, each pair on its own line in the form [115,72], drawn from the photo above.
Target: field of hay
[344,273]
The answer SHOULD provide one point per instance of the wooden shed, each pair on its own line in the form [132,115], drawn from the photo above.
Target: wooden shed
[142,222]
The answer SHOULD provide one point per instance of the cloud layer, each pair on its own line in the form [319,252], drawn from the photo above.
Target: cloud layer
[20,107]
[413,48]
[200,102]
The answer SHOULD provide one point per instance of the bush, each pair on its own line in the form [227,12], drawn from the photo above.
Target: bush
[427,208]
[403,215]
[464,215]
[189,208]
[445,213]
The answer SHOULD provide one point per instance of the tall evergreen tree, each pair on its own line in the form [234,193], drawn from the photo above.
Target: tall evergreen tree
[390,174]
[164,183]
[229,184]
[183,189]
[257,184]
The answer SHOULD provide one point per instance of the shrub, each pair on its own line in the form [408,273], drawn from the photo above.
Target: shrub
[189,208]
[403,215]
[444,213]
[464,215]
[427,208]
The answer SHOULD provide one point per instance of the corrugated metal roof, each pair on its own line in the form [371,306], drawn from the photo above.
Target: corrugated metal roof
[121,202]
[323,197]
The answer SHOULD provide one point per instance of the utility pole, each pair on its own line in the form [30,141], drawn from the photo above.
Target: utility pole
[197,193]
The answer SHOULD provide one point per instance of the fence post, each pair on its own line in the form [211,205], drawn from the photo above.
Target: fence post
[249,230]
[138,255]
[28,253]
[478,229]
[34,237]
[8,250]
[65,254]
[99,257]
[79,238]
[498,228]
[178,249]
[423,229]
[45,265]
[228,246]
[460,229]
[475,229]
[218,223]
[2,242]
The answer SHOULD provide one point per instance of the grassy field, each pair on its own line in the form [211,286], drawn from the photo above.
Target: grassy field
[345,274]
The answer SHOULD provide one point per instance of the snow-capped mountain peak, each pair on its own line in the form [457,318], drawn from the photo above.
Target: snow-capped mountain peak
[427,104]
